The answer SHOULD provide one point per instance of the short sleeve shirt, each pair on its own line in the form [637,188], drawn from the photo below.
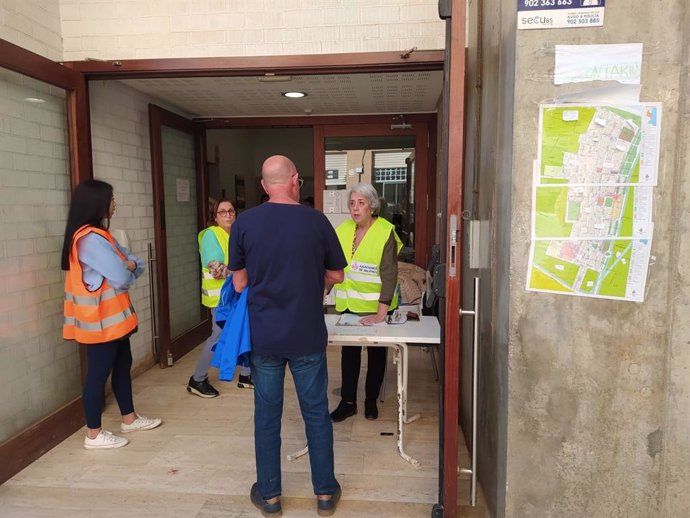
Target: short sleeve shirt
[210,248]
[286,250]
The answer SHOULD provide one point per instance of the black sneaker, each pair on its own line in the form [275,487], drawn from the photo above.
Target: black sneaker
[245,382]
[201,388]
[343,411]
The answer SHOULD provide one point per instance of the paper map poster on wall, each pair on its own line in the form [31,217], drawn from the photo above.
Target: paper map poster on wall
[592,199]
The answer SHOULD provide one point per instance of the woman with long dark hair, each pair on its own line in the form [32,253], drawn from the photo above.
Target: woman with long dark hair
[98,311]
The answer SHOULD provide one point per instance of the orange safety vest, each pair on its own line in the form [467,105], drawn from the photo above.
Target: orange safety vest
[94,317]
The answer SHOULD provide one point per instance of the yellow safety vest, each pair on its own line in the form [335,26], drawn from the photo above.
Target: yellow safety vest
[210,287]
[361,289]
[94,317]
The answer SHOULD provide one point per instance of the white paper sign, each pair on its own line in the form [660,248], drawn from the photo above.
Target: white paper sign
[182,185]
[580,63]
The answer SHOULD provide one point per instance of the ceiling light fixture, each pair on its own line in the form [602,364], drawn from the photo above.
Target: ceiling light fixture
[36,100]
[293,95]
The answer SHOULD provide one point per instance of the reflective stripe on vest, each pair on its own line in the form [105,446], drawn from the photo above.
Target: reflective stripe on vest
[210,287]
[94,317]
[361,290]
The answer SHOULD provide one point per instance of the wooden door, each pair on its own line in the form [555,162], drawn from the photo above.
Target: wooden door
[450,181]
[180,205]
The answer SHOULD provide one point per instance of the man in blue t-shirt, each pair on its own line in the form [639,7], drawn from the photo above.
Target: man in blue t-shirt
[287,254]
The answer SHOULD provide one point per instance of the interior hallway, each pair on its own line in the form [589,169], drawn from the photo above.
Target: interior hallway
[200,462]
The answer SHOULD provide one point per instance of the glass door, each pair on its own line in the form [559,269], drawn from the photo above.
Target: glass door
[180,206]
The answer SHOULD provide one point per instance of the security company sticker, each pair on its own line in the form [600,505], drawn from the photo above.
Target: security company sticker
[553,14]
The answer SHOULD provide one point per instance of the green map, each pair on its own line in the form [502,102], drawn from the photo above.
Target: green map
[592,200]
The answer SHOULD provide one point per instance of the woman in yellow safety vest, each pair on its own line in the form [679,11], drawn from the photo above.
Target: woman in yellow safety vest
[213,250]
[98,311]
[371,248]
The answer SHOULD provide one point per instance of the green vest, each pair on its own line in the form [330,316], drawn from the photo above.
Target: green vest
[210,287]
[361,289]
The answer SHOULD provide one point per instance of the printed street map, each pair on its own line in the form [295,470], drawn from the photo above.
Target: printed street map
[592,200]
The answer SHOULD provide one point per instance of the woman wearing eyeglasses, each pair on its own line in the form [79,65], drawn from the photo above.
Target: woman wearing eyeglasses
[213,249]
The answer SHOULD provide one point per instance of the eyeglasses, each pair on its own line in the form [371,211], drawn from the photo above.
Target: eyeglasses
[300,181]
[224,212]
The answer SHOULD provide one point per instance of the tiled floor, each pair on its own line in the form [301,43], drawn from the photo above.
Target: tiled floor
[200,462]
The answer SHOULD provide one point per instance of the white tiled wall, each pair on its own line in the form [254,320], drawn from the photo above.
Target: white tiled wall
[129,29]
[34,25]
[39,371]
[121,155]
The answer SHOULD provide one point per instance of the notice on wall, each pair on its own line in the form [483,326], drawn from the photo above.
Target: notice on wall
[621,62]
[592,199]
[182,189]
[555,14]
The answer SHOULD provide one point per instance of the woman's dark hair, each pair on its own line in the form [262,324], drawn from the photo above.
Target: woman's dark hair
[89,206]
[214,208]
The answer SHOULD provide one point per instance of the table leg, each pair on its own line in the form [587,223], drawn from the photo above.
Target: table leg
[298,454]
[406,362]
[400,377]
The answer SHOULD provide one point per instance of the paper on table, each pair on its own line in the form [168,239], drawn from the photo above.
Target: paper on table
[348,319]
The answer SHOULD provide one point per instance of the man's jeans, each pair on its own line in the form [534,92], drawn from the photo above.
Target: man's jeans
[310,374]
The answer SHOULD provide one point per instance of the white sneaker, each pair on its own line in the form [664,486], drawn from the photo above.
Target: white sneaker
[105,440]
[140,423]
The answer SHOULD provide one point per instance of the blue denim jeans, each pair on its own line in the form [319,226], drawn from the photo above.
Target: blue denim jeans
[310,374]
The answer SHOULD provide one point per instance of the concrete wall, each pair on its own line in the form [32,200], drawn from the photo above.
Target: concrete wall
[598,389]
[184,28]
[675,467]
[34,25]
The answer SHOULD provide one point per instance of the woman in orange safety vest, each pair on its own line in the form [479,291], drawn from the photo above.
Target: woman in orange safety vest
[98,311]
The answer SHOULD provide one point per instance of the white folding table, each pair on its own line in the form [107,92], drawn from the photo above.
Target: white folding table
[396,336]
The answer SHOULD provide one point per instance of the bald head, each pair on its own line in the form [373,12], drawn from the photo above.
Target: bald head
[280,180]
[278,169]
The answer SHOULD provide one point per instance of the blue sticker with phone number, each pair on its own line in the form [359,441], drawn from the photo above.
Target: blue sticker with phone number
[545,5]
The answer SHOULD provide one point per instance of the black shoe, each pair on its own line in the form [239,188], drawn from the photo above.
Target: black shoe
[245,382]
[201,388]
[343,411]
[371,411]
[262,505]
[327,507]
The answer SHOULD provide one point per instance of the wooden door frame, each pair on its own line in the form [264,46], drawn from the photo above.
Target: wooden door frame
[28,445]
[420,129]
[159,117]
[423,128]
[452,332]
[341,64]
